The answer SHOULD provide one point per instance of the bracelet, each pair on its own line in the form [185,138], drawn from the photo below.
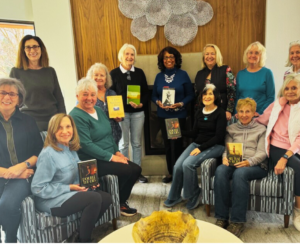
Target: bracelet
[181,103]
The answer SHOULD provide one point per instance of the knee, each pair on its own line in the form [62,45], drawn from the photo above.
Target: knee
[221,172]
[106,198]
[9,208]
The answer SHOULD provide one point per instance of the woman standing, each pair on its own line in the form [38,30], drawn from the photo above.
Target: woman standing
[218,74]
[44,97]
[56,181]
[100,74]
[20,145]
[293,60]
[169,62]
[256,81]
[134,119]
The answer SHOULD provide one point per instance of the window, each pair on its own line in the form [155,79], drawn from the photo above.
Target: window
[11,33]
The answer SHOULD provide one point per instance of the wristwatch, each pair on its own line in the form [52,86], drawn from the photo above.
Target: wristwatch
[27,164]
[285,156]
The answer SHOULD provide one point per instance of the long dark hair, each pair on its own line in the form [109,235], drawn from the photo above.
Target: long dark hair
[170,50]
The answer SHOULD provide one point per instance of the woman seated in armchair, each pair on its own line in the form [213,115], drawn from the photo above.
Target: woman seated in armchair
[253,166]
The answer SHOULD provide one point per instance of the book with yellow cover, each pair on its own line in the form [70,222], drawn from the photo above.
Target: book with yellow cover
[234,153]
[133,94]
[115,106]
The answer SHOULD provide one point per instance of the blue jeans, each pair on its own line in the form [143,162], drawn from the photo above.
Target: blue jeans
[185,171]
[12,193]
[240,190]
[133,123]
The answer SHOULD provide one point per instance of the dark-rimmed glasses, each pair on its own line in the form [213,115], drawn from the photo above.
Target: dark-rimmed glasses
[34,47]
[10,94]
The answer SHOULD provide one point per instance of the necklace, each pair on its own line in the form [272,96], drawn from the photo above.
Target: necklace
[169,79]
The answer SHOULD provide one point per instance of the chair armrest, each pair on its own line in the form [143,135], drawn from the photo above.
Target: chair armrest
[208,168]
[288,191]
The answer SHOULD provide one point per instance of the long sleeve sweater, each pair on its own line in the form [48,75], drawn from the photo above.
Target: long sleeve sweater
[43,94]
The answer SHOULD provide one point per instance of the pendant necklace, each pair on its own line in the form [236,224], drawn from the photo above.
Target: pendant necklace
[169,79]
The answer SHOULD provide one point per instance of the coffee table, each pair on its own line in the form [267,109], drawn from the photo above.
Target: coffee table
[209,233]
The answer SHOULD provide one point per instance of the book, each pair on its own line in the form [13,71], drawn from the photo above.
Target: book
[168,96]
[115,106]
[88,173]
[234,153]
[173,128]
[133,94]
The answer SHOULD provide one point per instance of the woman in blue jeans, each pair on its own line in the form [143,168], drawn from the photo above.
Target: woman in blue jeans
[253,166]
[209,132]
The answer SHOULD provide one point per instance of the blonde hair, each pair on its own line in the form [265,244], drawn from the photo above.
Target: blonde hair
[246,101]
[297,43]
[219,58]
[122,50]
[262,51]
[98,66]
[289,78]
[53,128]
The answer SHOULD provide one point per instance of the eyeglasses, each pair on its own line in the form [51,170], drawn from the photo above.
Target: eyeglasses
[295,42]
[11,94]
[171,57]
[34,47]
[128,75]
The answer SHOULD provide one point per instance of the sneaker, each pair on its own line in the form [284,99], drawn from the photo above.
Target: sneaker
[296,218]
[236,228]
[222,223]
[167,179]
[194,201]
[172,203]
[126,210]
[143,179]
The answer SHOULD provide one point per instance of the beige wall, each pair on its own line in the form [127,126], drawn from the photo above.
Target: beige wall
[20,10]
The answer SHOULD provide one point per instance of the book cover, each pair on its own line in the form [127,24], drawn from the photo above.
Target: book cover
[234,153]
[88,173]
[134,94]
[168,96]
[115,106]
[173,128]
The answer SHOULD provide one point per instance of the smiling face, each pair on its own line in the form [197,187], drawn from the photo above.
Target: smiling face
[292,92]
[87,100]
[208,98]
[295,56]
[169,60]
[99,75]
[245,114]
[210,57]
[65,132]
[7,103]
[128,58]
[33,55]
[253,56]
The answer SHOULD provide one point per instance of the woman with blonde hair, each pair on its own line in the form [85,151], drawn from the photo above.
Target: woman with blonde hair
[44,97]
[56,181]
[293,60]
[256,81]
[213,71]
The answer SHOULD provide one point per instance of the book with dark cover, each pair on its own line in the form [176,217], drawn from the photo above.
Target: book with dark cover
[173,128]
[168,96]
[88,174]
[234,153]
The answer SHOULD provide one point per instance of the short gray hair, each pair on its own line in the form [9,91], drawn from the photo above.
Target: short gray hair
[287,80]
[288,62]
[261,49]
[209,87]
[98,66]
[84,84]
[18,85]
[123,48]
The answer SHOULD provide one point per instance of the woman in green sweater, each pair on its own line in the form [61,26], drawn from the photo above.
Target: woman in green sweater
[97,142]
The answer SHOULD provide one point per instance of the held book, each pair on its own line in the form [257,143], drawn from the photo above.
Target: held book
[88,173]
[173,128]
[134,94]
[115,106]
[234,153]
[168,96]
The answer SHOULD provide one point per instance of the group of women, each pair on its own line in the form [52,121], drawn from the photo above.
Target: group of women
[31,102]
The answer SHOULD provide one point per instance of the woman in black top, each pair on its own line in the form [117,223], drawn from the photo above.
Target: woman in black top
[209,133]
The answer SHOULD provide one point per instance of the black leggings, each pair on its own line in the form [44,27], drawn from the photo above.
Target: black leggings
[294,162]
[127,175]
[93,204]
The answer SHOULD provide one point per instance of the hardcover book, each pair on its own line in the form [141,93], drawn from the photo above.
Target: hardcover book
[234,153]
[173,128]
[168,96]
[115,106]
[134,94]
[88,174]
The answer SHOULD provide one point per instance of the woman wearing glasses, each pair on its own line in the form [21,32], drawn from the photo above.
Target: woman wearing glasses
[123,76]
[44,97]
[20,145]
[171,76]
[256,81]
[293,60]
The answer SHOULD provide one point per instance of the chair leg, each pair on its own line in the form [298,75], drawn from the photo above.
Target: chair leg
[286,221]
[114,223]
[207,209]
